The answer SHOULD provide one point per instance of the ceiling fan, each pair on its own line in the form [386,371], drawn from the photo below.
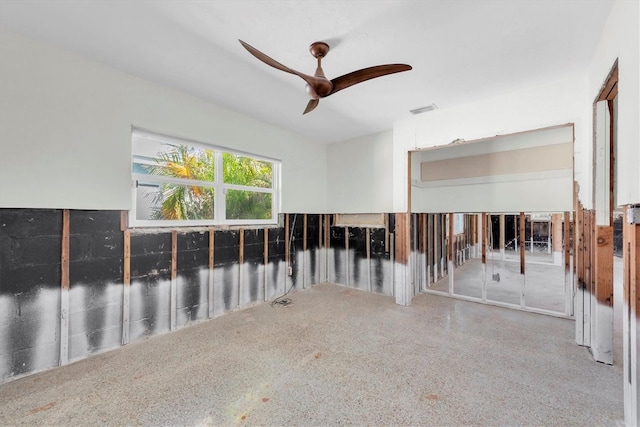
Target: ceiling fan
[318,86]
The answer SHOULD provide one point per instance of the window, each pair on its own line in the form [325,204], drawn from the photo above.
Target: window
[182,182]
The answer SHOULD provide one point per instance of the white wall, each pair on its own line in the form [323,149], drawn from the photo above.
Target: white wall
[359,175]
[568,100]
[532,184]
[621,39]
[65,132]
[553,104]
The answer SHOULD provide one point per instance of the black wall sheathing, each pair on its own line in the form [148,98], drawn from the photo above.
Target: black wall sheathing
[617,235]
[96,247]
[254,271]
[150,284]
[358,262]
[276,269]
[296,234]
[30,278]
[430,255]
[312,264]
[30,252]
[192,265]
[227,257]
[378,258]
[339,268]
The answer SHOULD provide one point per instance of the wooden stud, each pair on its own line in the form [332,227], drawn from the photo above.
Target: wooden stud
[126,287]
[567,241]
[402,264]
[604,265]
[483,253]
[211,271]
[484,238]
[127,258]
[346,254]
[522,264]
[630,316]
[64,260]
[423,251]
[450,254]
[436,263]
[443,246]
[522,241]
[369,258]
[568,280]
[472,234]
[174,276]
[428,249]
[240,266]
[64,292]
[265,252]
[124,220]
[327,245]
[304,251]
[286,239]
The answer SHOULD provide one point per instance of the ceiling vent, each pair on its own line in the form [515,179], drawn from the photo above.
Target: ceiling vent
[424,109]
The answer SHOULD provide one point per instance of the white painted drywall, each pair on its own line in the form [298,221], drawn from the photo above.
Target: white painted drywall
[557,103]
[359,175]
[530,190]
[65,132]
[621,39]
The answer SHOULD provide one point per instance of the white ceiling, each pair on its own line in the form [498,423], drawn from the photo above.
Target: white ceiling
[460,50]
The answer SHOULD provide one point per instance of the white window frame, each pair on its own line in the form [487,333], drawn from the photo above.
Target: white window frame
[220,188]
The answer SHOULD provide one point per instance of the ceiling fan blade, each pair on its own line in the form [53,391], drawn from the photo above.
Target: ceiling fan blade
[311,80]
[266,59]
[365,74]
[313,103]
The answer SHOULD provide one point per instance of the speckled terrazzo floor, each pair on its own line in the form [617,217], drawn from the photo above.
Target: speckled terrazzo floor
[335,356]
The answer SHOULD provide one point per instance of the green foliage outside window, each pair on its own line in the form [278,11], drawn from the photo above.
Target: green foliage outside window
[193,202]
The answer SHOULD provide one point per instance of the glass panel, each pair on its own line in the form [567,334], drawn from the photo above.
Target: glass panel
[173,202]
[544,262]
[248,205]
[183,161]
[240,170]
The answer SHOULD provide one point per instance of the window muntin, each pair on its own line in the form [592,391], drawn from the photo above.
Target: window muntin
[181,182]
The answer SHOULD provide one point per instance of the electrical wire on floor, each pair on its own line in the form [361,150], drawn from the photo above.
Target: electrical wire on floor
[283,300]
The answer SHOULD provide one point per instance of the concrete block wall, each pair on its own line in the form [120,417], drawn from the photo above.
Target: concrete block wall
[95,275]
[31,280]
[349,265]
[30,251]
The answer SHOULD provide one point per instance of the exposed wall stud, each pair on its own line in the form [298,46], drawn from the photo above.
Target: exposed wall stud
[522,251]
[346,256]
[240,266]
[321,252]
[568,280]
[436,270]
[631,315]
[64,295]
[327,245]
[368,259]
[450,254]
[174,278]
[286,247]
[211,266]
[265,252]
[126,280]
[304,252]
